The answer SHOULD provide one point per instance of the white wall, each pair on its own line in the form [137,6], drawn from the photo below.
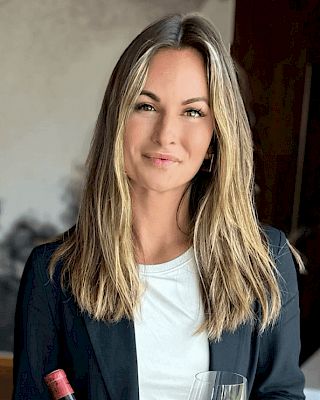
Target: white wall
[56,57]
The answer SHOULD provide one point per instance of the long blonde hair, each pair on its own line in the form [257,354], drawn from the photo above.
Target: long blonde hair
[232,254]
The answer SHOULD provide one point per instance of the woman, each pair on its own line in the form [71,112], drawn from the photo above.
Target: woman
[167,271]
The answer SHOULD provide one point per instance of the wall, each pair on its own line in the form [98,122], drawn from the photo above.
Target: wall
[56,58]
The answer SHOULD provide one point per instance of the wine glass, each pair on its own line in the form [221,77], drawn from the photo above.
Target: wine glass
[218,385]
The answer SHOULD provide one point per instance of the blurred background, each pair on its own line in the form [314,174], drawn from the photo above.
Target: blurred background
[56,58]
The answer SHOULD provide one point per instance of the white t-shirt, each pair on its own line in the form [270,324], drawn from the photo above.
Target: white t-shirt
[169,354]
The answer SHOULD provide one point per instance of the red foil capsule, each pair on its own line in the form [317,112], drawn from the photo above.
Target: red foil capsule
[59,385]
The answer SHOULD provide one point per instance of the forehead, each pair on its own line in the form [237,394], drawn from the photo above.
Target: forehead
[177,68]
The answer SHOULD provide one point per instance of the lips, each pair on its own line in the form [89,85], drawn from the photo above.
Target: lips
[162,156]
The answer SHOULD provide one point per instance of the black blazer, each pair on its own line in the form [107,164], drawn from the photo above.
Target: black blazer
[100,358]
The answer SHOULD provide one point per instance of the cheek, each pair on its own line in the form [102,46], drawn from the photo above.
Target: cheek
[133,144]
[135,133]
[199,144]
[131,139]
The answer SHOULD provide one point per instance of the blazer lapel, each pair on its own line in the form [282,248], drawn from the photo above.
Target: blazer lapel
[230,353]
[115,350]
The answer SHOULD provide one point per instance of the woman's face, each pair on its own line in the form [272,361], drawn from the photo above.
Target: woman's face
[169,131]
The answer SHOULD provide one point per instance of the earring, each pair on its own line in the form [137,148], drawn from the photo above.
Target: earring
[205,167]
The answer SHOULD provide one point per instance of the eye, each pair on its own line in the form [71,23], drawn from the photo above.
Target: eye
[144,107]
[194,113]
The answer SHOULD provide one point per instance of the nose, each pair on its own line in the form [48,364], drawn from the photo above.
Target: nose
[165,131]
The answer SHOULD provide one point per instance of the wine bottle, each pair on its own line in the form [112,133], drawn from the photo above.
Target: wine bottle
[59,385]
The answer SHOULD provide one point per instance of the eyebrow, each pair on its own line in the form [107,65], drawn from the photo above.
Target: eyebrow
[188,101]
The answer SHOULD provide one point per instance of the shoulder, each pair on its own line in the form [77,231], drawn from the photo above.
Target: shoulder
[275,238]
[41,255]
[284,260]
[277,242]
[44,252]
[36,267]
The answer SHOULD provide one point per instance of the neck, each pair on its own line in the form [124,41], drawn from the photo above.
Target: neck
[160,224]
